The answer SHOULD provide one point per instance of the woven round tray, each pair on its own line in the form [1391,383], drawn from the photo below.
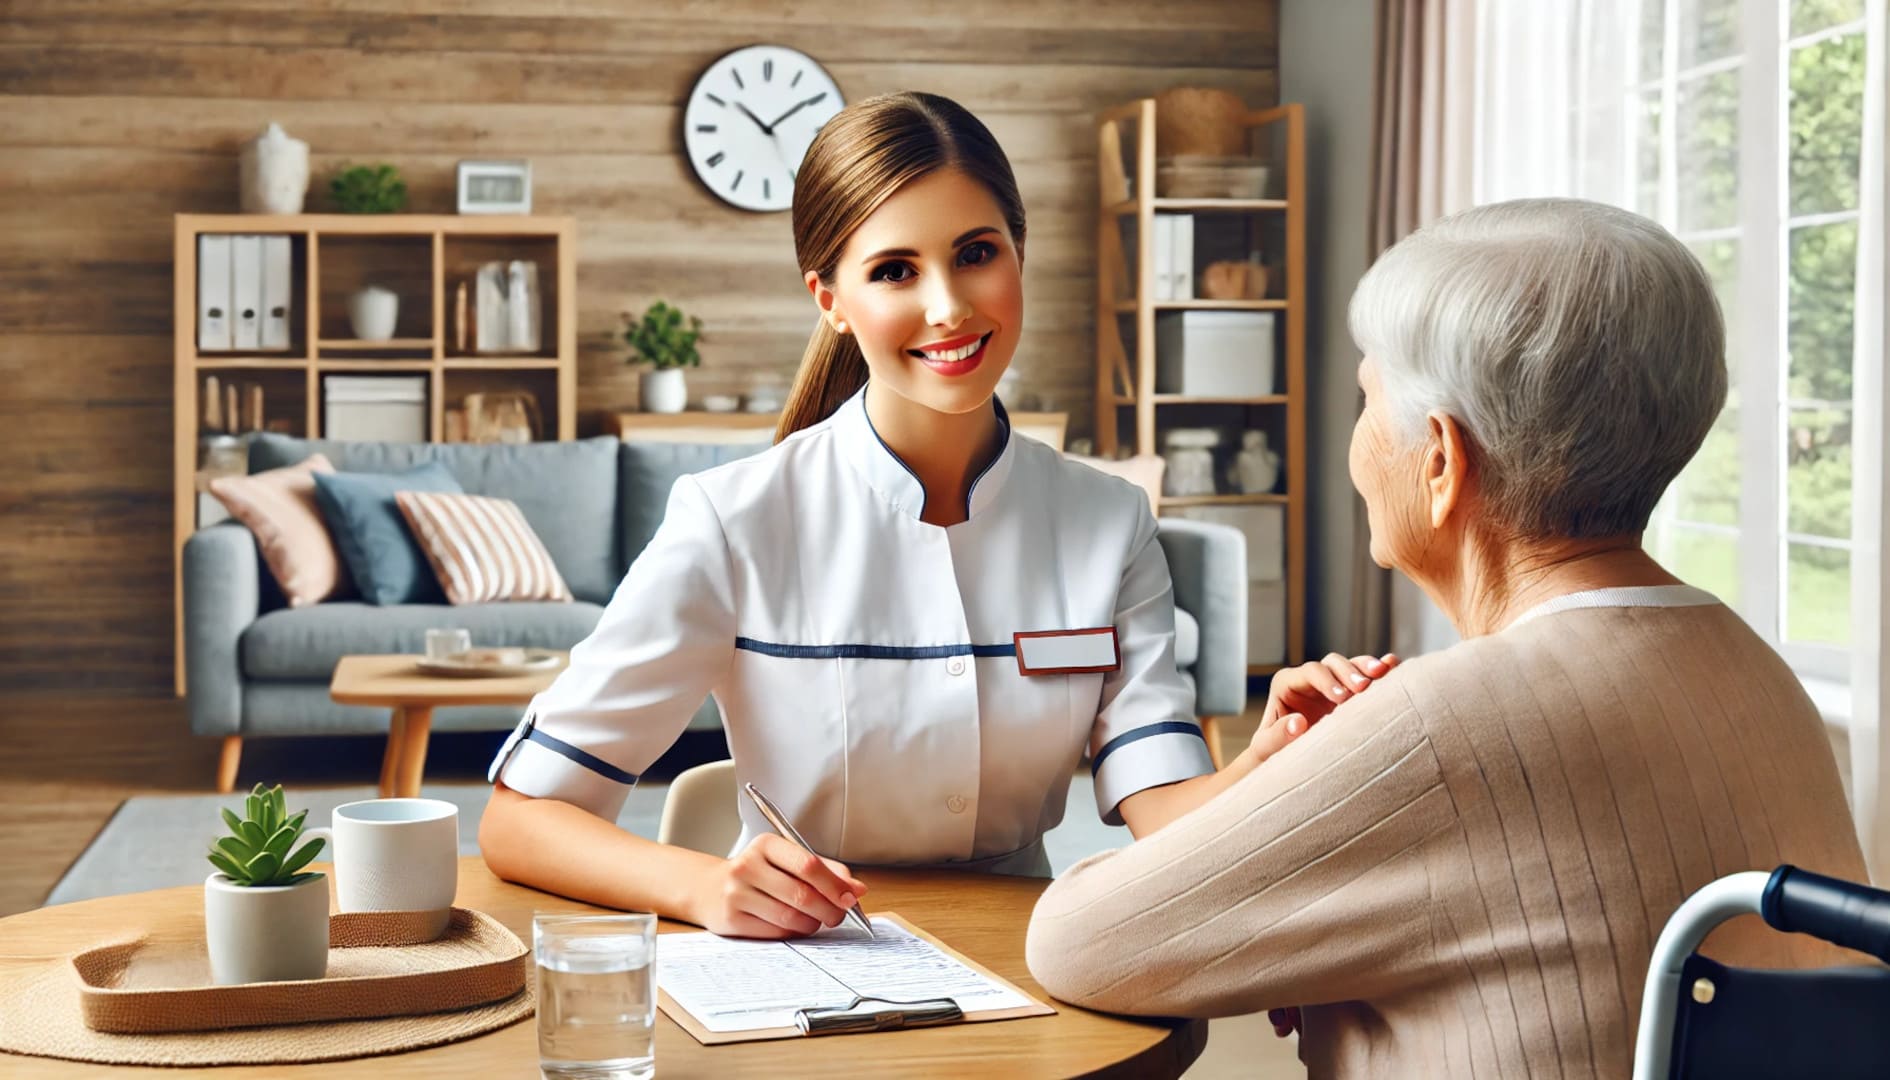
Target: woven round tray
[44,1004]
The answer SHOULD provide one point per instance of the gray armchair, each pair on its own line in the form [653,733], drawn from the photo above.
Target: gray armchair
[257,668]
[1208,563]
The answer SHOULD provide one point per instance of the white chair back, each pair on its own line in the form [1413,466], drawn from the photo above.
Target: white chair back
[700,811]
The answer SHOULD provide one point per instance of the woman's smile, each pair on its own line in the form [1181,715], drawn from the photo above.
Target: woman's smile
[958,356]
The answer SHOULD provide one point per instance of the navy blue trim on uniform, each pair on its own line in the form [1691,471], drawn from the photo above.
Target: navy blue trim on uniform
[1004,425]
[588,760]
[871,652]
[1166,727]
[895,457]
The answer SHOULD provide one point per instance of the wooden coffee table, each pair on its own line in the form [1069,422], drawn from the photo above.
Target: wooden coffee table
[396,682]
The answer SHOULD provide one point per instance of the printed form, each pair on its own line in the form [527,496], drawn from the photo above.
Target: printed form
[735,985]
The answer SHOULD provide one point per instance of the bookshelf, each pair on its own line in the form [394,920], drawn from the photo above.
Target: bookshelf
[423,258]
[1130,412]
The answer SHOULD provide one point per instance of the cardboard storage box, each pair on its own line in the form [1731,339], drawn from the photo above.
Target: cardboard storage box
[1214,353]
[375,408]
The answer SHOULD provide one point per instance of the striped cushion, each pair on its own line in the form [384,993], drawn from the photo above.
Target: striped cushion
[481,549]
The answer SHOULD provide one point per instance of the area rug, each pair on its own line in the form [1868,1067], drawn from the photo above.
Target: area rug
[158,841]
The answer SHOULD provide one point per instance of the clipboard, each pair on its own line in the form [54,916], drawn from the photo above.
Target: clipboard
[897,1016]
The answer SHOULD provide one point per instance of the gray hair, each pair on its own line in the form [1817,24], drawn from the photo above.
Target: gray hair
[1579,345]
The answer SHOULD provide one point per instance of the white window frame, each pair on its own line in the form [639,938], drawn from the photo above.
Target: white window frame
[1764,227]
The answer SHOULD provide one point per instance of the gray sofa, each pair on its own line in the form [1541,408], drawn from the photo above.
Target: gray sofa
[258,668]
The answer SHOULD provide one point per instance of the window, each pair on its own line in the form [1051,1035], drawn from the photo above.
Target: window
[1738,124]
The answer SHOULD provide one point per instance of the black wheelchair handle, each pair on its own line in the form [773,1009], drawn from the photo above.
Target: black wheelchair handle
[1841,912]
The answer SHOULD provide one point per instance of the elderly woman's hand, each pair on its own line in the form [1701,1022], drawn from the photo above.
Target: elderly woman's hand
[1302,696]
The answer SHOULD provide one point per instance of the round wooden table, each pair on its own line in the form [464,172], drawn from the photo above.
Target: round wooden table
[981,915]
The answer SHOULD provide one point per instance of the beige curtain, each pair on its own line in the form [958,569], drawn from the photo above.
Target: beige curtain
[1423,123]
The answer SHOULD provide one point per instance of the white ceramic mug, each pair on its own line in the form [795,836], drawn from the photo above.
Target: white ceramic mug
[395,855]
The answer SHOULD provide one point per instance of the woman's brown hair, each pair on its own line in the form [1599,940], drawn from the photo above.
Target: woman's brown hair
[868,151]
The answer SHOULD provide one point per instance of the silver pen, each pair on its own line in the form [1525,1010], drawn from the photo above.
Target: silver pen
[780,824]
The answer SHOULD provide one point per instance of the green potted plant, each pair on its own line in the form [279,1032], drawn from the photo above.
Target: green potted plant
[265,919]
[665,339]
[369,189]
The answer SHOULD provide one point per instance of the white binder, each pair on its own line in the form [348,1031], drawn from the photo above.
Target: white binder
[1163,255]
[213,293]
[1183,255]
[246,292]
[276,289]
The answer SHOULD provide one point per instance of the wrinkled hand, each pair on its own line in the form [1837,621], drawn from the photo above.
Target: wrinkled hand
[774,889]
[1315,689]
[1285,1021]
[1302,696]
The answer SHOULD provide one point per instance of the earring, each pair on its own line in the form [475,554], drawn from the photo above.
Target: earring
[840,326]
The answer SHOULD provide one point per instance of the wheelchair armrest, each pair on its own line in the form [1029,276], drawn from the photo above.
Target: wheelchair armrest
[1841,912]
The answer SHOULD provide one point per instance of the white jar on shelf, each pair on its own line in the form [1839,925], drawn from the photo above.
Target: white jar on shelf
[373,313]
[1256,469]
[1189,453]
[272,173]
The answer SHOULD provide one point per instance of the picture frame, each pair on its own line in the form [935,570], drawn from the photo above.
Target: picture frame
[495,187]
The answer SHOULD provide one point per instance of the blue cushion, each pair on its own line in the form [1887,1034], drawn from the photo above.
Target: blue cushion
[373,537]
[566,490]
[647,472]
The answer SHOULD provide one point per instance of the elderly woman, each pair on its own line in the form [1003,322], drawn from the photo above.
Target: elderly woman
[1461,867]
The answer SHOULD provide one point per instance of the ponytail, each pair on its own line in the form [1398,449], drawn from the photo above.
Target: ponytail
[832,370]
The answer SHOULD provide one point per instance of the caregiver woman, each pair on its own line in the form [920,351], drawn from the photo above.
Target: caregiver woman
[853,597]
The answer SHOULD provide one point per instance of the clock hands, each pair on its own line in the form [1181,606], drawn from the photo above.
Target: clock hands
[766,129]
[769,128]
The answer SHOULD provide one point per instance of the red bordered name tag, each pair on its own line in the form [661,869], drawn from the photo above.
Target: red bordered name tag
[1068,652]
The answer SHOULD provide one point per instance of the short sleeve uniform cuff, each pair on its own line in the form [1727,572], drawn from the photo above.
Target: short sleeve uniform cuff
[1146,757]
[540,765]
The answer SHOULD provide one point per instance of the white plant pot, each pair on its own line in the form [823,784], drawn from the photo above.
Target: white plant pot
[664,391]
[372,313]
[272,933]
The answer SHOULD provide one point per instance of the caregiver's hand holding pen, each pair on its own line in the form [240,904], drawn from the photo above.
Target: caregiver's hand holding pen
[775,889]
[778,887]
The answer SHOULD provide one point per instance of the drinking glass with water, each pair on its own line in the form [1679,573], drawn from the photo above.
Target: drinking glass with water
[596,995]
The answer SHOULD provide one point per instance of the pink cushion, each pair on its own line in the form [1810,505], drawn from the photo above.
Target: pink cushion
[279,507]
[1143,470]
[482,549]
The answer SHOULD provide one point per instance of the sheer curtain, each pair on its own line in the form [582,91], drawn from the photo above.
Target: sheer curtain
[1754,129]
[1423,115]
[1870,492]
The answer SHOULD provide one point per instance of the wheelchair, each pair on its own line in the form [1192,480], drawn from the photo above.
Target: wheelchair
[1704,1019]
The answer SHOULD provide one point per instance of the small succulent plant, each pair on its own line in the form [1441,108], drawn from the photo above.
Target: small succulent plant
[369,189]
[256,853]
[664,337]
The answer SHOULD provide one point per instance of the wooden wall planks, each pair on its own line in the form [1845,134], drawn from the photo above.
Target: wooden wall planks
[120,113]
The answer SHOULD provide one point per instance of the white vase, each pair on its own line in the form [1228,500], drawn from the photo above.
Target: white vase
[1189,453]
[664,391]
[1256,468]
[373,312]
[269,933]
[273,173]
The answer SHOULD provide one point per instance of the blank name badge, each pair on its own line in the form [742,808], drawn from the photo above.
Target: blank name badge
[1068,652]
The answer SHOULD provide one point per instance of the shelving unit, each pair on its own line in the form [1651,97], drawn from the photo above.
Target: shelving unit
[1129,412]
[422,257]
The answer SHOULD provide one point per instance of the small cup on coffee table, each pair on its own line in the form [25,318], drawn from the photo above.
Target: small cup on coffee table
[396,855]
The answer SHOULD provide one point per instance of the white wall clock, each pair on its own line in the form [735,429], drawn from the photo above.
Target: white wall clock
[749,120]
